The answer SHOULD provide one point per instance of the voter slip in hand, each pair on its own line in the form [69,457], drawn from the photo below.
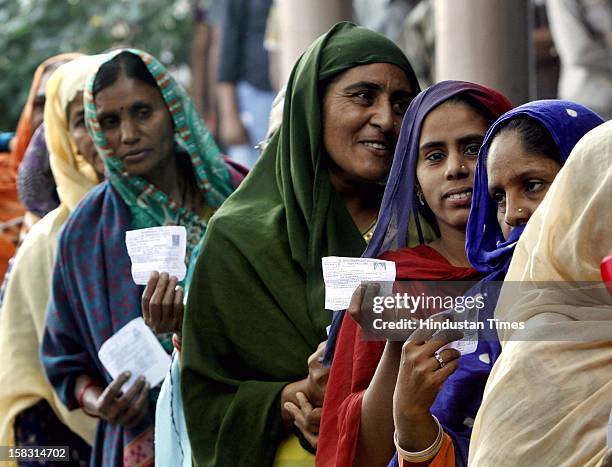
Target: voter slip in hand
[159,249]
[135,348]
[343,275]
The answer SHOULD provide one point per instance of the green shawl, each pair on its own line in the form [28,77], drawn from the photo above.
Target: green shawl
[256,311]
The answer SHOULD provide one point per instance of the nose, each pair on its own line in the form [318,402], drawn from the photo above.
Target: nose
[457,166]
[129,132]
[383,116]
[516,213]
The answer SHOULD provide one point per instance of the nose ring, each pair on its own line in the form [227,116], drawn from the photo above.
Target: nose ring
[520,209]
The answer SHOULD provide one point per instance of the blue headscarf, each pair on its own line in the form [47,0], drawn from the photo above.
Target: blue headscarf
[400,205]
[487,250]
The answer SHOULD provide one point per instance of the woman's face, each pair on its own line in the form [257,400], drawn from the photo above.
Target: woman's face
[451,136]
[82,139]
[38,105]
[518,180]
[136,124]
[362,116]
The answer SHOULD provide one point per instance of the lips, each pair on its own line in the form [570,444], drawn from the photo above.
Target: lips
[135,155]
[457,193]
[378,147]
[459,196]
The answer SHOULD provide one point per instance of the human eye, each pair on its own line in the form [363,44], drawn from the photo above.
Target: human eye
[400,106]
[435,156]
[533,186]
[500,199]
[472,149]
[144,112]
[363,96]
[109,122]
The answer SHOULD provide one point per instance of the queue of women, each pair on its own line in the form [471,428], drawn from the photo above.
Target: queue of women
[451,183]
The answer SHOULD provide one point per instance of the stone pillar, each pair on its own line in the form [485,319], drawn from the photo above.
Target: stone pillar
[487,42]
[301,22]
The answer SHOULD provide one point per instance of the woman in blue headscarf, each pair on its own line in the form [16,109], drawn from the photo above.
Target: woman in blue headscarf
[428,190]
[544,133]
[521,155]
[548,136]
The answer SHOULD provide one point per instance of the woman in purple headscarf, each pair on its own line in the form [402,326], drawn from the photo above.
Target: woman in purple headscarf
[431,179]
[523,151]
[520,157]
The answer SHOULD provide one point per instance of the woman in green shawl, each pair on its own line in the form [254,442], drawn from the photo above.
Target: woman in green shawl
[256,311]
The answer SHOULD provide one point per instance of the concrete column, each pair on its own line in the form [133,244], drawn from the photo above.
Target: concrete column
[486,42]
[301,22]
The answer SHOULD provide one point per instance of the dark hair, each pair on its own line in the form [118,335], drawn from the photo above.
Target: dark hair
[534,136]
[125,62]
[474,104]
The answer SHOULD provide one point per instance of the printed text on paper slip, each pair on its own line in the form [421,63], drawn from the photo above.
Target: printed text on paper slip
[343,275]
[159,249]
[135,348]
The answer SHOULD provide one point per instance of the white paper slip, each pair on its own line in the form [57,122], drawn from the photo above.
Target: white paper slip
[343,275]
[469,342]
[159,249]
[135,348]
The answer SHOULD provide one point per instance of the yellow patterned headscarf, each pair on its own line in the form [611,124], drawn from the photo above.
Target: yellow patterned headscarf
[73,175]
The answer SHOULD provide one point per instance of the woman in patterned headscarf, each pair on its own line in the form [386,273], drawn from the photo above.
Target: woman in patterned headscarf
[32,414]
[163,168]
[255,311]
[11,209]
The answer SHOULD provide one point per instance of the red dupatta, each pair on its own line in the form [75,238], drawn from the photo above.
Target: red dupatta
[356,359]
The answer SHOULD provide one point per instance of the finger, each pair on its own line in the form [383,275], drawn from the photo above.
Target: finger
[300,422]
[124,404]
[312,439]
[442,338]
[178,308]
[167,315]
[112,391]
[138,408]
[134,390]
[371,290]
[156,301]
[441,375]
[293,409]
[305,404]
[448,355]
[445,357]
[424,333]
[313,420]
[354,308]
[147,294]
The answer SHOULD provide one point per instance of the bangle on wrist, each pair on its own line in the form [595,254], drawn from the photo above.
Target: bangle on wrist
[88,385]
[426,454]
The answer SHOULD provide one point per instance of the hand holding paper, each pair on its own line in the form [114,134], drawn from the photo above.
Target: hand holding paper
[123,408]
[343,275]
[157,249]
[162,303]
[135,349]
